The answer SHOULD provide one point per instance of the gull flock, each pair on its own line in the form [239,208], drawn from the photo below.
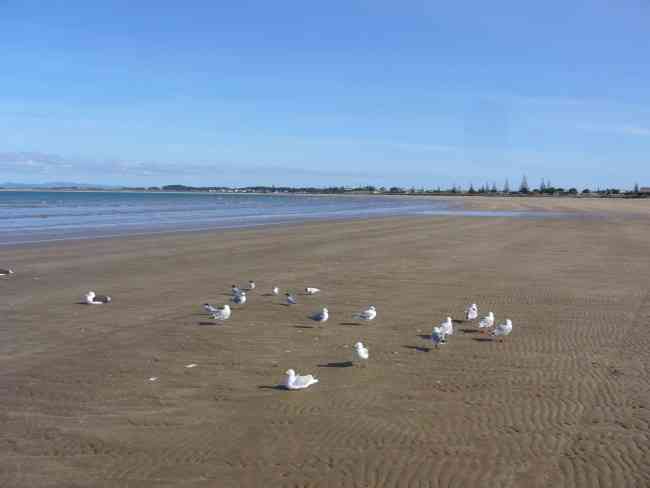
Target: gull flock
[360,355]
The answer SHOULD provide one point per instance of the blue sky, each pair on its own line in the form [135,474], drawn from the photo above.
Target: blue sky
[320,93]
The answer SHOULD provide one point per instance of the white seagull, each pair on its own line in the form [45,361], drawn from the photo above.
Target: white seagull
[221,313]
[438,337]
[239,299]
[290,299]
[367,315]
[6,272]
[447,327]
[503,330]
[487,321]
[321,316]
[92,298]
[311,291]
[361,354]
[295,382]
[276,290]
[472,312]
[251,285]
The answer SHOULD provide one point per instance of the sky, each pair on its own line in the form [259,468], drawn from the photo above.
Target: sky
[354,92]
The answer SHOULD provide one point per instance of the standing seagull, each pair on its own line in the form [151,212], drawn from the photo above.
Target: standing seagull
[239,299]
[487,321]
[296,382]
[221,313]
[311,291]
[361,354]
[438,337]
[6,272]
[367,315]
[472,312]
[275,291]
[503,330]
[235,290]
[290,299]
[447,328]
[321,316]
[251,285]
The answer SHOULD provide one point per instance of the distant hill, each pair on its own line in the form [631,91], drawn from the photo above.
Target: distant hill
[53,185]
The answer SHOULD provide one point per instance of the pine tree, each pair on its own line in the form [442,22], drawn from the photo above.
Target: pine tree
[506,186]
[636,188]
[542,186]
[494,188]
[471,188]
[523,187]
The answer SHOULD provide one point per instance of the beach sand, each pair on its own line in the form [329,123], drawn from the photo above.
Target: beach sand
[563,402]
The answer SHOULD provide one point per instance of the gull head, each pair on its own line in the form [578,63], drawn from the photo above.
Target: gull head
[290,372]
[509,322]
[372,307]
[325,310]
[358,345]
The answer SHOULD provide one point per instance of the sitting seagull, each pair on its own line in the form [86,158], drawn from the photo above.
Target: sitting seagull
[290,299]
[487,321]
[276,290]
[235,290]
[447,328]
[472,312]
[251,285]
[367,315]
[438,337]
[94,299]
[221,313]
[321,316]
[239,299]
[503,330]
[311,291]
[295,382]
[361,354]
[6,272]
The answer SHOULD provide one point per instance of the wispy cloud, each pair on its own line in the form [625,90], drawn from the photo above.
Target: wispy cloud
[629,130]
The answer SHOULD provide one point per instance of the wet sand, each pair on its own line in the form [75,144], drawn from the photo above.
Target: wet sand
[563,402]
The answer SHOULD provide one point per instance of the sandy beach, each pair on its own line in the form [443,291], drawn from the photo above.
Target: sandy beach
[563,402]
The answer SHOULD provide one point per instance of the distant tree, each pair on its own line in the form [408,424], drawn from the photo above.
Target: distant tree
[395,189]
[542,186]
[523,187]
[586,191]
[636,188]
[471,188]
[573,191]
[493,188]
[506,186]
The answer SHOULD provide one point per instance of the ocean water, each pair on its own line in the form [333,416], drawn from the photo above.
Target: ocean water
[39,216]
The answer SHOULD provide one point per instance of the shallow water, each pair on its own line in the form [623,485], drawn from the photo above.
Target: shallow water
[41,216]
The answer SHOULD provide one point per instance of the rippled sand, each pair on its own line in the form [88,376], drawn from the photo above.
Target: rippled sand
[563,402]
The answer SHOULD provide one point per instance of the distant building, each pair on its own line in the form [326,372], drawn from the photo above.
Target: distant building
[645,189]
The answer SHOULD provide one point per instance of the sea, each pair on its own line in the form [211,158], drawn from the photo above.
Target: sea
[41,216]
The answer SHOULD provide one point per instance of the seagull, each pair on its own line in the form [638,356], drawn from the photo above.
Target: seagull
[447,328]
[290,299]
[321,316]
[239,299]
[221,313]
[6,272]
[276,290]
[93,299]
[235,290]
[367,315]
[251,285]
[487,321]
[295,382]
[472,312]
[311,291]
[360,354]
[503,330]
[438,337]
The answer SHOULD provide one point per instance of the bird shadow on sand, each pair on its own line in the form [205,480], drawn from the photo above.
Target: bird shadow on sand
[418,348]
[425,336]
[358,324]
[341,364]
[273,387]
[469,331]
[304,327]
[206,324]
[458,321]
[483,339]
